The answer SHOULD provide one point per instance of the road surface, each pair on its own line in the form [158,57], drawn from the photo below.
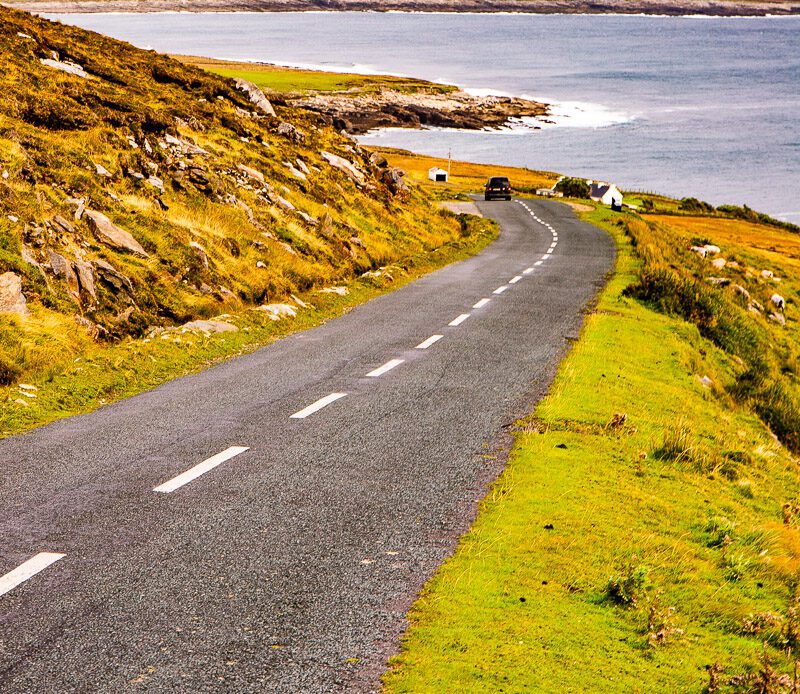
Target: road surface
[264,526]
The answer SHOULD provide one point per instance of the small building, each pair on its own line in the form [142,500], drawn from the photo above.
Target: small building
[605,193]
[437,174]
[549,193]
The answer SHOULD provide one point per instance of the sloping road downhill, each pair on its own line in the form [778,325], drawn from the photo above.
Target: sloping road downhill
[349,458]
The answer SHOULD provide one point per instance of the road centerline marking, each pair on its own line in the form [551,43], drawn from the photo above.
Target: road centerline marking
[430,341]
[481,303]
[527,271]
[500,290]
[515,279]
[200,469]
[388,366]
[28,569]
[316,406]
[459,320]
[538,262]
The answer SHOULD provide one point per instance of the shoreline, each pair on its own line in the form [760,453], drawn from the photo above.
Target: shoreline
[665,8]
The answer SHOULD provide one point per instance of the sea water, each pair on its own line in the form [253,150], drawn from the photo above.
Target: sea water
[687,106]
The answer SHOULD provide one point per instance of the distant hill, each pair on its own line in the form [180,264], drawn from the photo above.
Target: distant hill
[669,7]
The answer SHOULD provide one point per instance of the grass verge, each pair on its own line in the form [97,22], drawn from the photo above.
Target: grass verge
[642,538]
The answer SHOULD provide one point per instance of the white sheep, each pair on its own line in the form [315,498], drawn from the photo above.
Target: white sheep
[778,301]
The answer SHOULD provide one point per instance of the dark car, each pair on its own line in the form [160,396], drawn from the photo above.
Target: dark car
[497,188]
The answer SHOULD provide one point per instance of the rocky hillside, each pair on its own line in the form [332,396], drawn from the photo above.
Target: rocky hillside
[138,192]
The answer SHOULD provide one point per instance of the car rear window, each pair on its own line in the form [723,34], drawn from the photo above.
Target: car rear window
[498,181]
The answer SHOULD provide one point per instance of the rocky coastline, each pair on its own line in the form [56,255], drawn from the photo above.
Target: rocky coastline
[358,114]
[722,8]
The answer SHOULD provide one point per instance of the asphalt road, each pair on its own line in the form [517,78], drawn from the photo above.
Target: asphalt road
[290,565]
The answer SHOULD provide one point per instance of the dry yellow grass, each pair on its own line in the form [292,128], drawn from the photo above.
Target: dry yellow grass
[775,244]
[465,177]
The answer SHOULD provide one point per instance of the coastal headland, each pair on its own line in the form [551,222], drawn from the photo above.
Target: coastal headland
[721,8]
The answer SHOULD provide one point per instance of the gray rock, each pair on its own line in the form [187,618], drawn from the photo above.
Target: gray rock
[157,183]
[343,165]
[778,301]
[378,160]
[210,326]
[257,97]
[325,226]
[71,68]
[200,252]
[110,234]
[62,225]
[252,173]
[718,281]
[777,318]
[289,131]
[278,311]
[307,218]
[86,278]
[110,275]
[12,300]
[62,269]
[102,171]
[741,291]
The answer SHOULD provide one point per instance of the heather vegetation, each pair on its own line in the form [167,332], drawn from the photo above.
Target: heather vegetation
[139,194]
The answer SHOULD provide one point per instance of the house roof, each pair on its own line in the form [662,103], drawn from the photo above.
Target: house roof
[598,190]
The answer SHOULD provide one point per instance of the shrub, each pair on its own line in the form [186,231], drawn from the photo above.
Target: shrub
[695,206]
[626,588]
[573,187]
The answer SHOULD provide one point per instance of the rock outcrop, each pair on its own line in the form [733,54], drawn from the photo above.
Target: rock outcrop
[110,234]
[256,96]
[12,300]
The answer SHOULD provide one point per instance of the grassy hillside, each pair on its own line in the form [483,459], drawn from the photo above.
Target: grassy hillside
[138,194]
[645,534]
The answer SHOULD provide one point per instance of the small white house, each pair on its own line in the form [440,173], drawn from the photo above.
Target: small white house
[605,193]
[437,174]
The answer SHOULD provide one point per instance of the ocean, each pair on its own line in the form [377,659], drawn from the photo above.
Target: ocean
[685,106]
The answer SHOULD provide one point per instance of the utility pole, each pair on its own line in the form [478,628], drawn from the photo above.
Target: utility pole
[449,156]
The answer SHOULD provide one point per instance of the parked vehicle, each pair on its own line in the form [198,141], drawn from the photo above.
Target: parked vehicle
[497,188]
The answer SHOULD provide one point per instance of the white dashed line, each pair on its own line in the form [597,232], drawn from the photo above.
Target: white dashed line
[458,321]
[200,469]
[514,280]
[548,251]
[527,271]
[481,303]
[500,290]
[538,262]
[38,562]
[318,405]
[388,366]
[431,340]
[554,244]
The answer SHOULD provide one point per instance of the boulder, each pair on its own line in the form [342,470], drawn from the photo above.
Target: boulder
[778,301]
[718,281]
[256,96]
[342,164]
[341,291]
[378,160]
[200,252]
[393,178]
[295,172]
[777,318]
[700,250]
[110,234]
[719,263]
[102,171]
[741,291]
[278,311]
[325,226]
[86,278]
[62,269]
[110,275]
[62,225]
[68,67]
[210,326]
[290,132]
[767,274]
[12,300]
[183,146]
[711,249]
[252,173]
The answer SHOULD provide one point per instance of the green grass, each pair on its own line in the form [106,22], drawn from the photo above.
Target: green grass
[521,607]
[285,80]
